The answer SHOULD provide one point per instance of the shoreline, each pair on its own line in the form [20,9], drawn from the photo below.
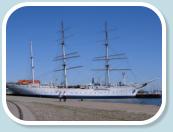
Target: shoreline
[47,109]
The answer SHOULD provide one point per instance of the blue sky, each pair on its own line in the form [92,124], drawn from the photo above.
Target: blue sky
[137,33]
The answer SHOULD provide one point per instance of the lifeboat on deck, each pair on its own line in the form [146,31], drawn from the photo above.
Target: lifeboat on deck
[27,82]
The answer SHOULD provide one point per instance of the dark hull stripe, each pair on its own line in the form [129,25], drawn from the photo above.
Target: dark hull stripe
[80,97]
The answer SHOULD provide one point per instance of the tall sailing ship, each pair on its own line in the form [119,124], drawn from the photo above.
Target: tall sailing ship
[95,90]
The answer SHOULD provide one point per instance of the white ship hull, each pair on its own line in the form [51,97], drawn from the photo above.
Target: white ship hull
[89,92]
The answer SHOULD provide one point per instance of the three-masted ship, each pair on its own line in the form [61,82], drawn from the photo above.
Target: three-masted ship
[94,90]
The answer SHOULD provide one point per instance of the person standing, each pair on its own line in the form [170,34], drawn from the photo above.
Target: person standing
[60,96]
[64,96]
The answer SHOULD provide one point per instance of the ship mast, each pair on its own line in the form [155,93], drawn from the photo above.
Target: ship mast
[107,82]
[108,58]
[32,62]
[64,56]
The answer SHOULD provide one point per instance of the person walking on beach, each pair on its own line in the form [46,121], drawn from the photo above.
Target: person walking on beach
[64,96]
[60,96]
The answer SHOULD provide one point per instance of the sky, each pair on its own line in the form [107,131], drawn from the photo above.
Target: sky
[135,31]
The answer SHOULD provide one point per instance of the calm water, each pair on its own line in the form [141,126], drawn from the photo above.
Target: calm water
[145,101]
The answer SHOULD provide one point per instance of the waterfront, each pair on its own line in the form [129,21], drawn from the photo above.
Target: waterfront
[143,101]
[50,109]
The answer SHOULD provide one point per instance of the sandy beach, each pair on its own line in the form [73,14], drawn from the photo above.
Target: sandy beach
[50,109]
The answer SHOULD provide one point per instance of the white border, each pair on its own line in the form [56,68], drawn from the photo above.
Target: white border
[14,8]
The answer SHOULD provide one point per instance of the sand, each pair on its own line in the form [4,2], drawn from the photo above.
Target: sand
[47,109]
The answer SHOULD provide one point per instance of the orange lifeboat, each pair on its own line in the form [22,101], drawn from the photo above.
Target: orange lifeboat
[26,82]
